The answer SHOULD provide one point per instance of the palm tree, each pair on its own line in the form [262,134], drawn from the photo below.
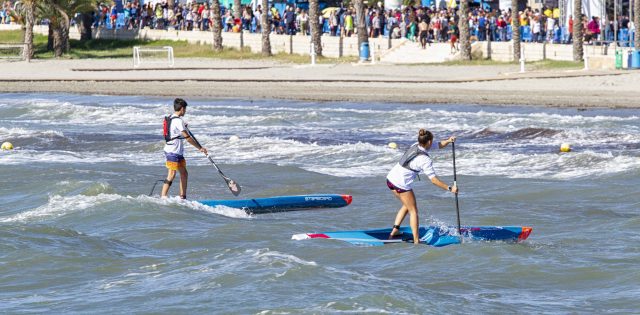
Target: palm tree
[216,26]
[55,41]
[29,9]
[578,50]
[63,9]
[515,30]
[636,22]
[463,26]
[266,29]
[360,19]
[314,23]
[84,26]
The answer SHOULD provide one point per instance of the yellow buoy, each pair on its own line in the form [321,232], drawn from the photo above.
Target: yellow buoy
[393,145]
[565,147]
[7,146]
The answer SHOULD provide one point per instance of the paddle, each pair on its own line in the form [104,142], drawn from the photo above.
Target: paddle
[453,148]
[233,186]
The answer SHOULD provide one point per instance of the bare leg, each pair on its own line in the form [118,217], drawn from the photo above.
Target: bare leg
[408,200]
[165,188]
[184,177]
[402,213]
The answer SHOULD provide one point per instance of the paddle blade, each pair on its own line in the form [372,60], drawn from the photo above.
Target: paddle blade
[233,186]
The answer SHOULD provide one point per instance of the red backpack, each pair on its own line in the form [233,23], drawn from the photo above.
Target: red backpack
[166,129]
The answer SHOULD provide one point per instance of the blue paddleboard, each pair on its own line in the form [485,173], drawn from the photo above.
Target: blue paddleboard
[283,203]
[430,235]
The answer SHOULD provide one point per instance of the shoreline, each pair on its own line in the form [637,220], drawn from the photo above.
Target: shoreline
[499,85]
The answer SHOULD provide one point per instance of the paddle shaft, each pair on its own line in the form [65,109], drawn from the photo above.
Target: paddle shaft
[235,189]
[455,180]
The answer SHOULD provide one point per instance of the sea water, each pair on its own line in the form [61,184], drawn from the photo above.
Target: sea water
[79,233]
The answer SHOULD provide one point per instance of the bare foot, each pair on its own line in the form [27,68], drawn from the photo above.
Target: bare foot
[396,234]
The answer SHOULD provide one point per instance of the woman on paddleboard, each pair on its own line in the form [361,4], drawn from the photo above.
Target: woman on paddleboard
[400,179]
[175,132]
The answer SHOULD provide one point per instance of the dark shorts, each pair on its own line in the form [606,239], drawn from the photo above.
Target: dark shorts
[398,190]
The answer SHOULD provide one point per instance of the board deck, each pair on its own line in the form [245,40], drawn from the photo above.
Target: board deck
[284,203]
[430,235]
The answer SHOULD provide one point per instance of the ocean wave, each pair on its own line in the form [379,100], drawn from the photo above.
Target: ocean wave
[59,206]
[24,133]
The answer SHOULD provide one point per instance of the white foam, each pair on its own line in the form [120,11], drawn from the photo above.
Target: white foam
[266,256]
[23,133]
[547,165]
[59,206]
[263,129]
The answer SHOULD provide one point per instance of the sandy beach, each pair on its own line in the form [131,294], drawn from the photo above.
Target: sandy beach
[259,79]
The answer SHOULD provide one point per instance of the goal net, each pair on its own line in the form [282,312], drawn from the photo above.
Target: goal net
[12,51]
[148,55]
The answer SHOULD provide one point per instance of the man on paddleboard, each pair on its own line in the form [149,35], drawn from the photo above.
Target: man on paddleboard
[400,179]
[175,132]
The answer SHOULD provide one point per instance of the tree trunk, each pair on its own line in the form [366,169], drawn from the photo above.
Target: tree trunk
[463,26]
[66,45]
[57,41]
[84,26]
[578,50]
[266,29]
[362,26]
[52,21]
[216,28]
[636,22]
[30,7]
[515,30]
[314,23]
[237,9]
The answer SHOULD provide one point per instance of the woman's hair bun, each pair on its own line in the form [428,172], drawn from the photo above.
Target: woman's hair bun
[422,132]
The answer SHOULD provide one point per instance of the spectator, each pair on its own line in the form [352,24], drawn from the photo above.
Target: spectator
[348,24]
[303,22]
[593,30]
[205,14]
[289,20]
[551,26]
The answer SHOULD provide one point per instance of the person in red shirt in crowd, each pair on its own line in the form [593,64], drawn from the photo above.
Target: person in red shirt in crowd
[593,29]
[570,29]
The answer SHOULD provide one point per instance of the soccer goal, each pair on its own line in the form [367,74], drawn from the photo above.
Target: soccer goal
[152,55]
[13,51]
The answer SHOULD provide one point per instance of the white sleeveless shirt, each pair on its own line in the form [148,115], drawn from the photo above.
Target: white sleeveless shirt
[403,178]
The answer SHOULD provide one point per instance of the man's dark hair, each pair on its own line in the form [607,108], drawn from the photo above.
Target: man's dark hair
[178,104]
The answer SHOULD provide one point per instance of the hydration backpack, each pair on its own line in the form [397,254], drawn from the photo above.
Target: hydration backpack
[412,153]
[166,129]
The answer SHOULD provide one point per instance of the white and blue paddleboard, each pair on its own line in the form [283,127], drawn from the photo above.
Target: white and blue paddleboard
[283,203]
[430,235]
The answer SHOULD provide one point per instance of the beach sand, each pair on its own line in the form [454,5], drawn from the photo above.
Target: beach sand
[259,79]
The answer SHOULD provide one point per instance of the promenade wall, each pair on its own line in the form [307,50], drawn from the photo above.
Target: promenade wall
[601,57]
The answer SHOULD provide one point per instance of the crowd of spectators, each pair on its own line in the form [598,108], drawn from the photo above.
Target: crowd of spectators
[6,10]
[424,24]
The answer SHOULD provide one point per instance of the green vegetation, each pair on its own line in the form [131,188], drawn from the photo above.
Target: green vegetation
[556,64]
[533,65]
[107,48]
[475,62]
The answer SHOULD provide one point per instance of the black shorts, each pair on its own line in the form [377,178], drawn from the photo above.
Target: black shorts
[394,187]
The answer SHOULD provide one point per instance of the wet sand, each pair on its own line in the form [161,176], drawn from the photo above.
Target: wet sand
[260,79]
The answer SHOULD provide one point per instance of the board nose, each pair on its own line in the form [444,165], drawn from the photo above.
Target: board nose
[526,230]
[347,199]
